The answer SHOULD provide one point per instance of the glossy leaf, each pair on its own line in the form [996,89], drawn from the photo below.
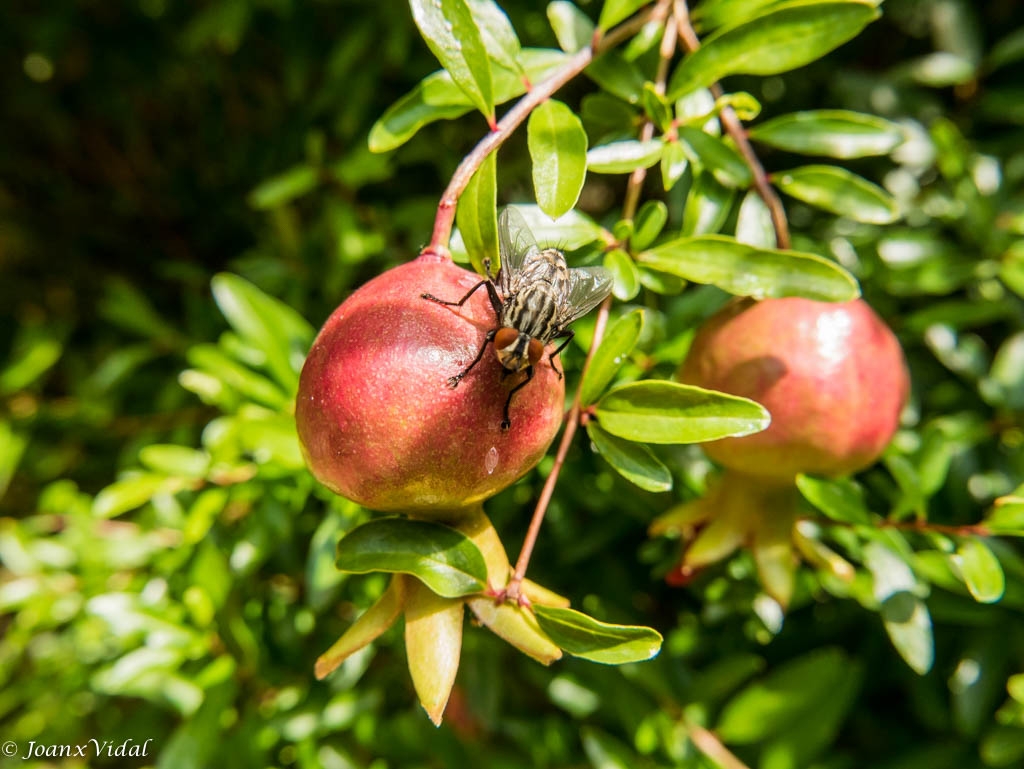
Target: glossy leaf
[656,411]
[716,157]
[285,187]
[746,271]
[781,40]
[708,205]
[754,225]
[674,163]
[614,11]
[649,222]
[625,277]
[611,71]
[624,157]
[586,637]
[839,191]
[437,97]
[841,500]
[477,214]
[787,694]
[633,461]
[558,149]
[568,232]
[172,460]
[909,625]
[128,493]
[267,323]
[834,133]
[617,344]
[442,558]
[451,34]
[497,33]
[981,570]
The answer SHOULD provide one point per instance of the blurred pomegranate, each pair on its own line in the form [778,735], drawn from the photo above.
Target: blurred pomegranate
[832,376]
[376,418]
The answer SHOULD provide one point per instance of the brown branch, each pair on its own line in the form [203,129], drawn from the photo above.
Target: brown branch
[445,217]
[734,127]
[919,525]
[666,52]
[707,742]
[511,592]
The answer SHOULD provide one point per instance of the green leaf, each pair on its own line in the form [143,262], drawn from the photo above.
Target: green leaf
[708,205]
[568,232]
[839,191]
[266,323]
[1003,745]
[448,28]
[614,11]
[127,494]
[477,214]
[617,344]
[649,222]
[12,448]
[444,559]
[624,157]
[783,697]
[783,39]
[834,133]
[840,499]
[1006,517]
[674,163]
[611,71]
[633,461]
[754,225]
[180,461]
[909,626]
[746,271]
[606,752]
[35,351]
[497,33]
[625,276]
[656,411]
[716,157]
[586,637]
[981,570]
[285,187]
[558,149]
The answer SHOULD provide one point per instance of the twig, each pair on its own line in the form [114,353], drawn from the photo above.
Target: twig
[666,52]
[918,525]
[734,127]
[636,180]
[707,742]
[511,592]
[514,117]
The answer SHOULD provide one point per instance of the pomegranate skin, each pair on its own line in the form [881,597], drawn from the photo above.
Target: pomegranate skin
[379,424]
[832,375]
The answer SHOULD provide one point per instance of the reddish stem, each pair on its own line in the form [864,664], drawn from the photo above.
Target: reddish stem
[445,217]
[734,127]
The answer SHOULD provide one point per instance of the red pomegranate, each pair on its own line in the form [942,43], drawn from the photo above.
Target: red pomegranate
[832,375]
[376,418]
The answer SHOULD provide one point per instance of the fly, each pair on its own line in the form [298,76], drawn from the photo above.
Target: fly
[535,296]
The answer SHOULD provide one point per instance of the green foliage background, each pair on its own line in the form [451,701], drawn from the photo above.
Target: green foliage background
[168,563]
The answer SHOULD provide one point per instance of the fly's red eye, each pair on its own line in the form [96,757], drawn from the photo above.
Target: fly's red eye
[535,351]
[505,337]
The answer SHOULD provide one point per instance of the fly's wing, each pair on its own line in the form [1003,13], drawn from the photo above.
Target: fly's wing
[588,286]
[515,244]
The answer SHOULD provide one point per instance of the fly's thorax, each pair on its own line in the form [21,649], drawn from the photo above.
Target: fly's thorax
[534,308]
[516,350]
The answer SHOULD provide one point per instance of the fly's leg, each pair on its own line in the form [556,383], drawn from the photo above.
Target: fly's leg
[567,335]
[492,294]
[506,422]
[453,381]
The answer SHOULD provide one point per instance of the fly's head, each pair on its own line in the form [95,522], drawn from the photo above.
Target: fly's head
[517,351]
